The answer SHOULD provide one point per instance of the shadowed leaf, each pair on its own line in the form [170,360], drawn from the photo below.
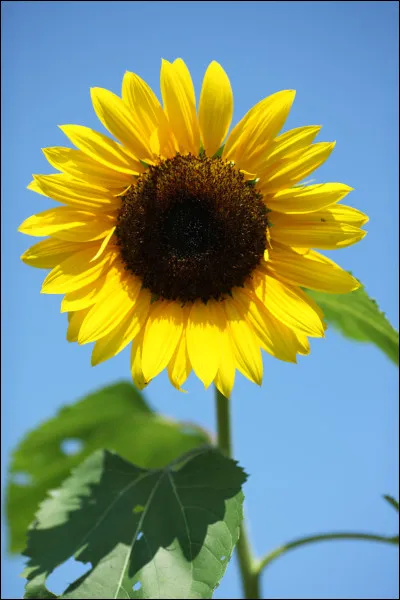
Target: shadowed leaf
[116,418]
[177,545]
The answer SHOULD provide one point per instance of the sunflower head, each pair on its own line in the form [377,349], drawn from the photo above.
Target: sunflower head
[191,249]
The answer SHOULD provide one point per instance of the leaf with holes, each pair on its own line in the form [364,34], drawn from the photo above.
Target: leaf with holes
[116,418]
[357,316]
[166,533]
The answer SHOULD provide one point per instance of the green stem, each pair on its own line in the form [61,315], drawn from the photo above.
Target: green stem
[264,562]
[250,576]
[247,564]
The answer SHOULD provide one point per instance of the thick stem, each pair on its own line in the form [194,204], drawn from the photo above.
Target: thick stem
[249,575]
[224,442]
[247,565]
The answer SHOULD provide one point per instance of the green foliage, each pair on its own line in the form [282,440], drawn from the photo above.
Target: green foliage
[116,418]
[37,589]
[392,502]
[219,152]
[169,532]
[357,317]
[395,504]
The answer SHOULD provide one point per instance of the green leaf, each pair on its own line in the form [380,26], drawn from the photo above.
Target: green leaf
[219,152]
[116,418]
[357,317]
[177,545]
[37,588]
[392,501]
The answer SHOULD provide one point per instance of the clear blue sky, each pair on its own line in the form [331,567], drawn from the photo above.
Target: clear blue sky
[320,439]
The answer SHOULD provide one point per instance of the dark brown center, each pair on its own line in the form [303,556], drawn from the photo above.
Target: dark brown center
[192,227]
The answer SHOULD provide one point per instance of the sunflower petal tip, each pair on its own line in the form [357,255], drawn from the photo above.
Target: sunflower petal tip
[94,361]
[94,91]
[291,94]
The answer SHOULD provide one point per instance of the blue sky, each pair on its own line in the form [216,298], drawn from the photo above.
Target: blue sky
[320,439]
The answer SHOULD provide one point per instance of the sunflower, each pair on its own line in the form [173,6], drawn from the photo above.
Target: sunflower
[192,250]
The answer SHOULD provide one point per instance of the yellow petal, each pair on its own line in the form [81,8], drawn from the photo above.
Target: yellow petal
[76,272]
[65,189]
[344,214]
[245,344]
[179,367]
[250,139]
[33,186]
[101,149]
[104,244]
[216,108]
[180,105]
[277,339]
[225,377]
[123,334]
[289,171]
[308,198]
[49,253]
[68,224]
[291,141]
[318,229]
[148,114]
[136,361]
[84,297]
[75,321]
[203,336]
[80,166]
[303,342]
[338,213]
[311,270]
[116,117]
[162,333]
[288,305]
[116,299]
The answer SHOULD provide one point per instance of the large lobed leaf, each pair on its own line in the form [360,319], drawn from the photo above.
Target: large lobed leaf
[166,533]
[116,418]
[357,316]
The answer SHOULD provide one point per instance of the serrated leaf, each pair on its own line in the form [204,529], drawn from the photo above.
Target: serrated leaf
[116,418]
[357,317]
[392,501]
[176,546]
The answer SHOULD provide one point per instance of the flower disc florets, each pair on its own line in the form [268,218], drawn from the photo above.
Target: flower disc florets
[192,227]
